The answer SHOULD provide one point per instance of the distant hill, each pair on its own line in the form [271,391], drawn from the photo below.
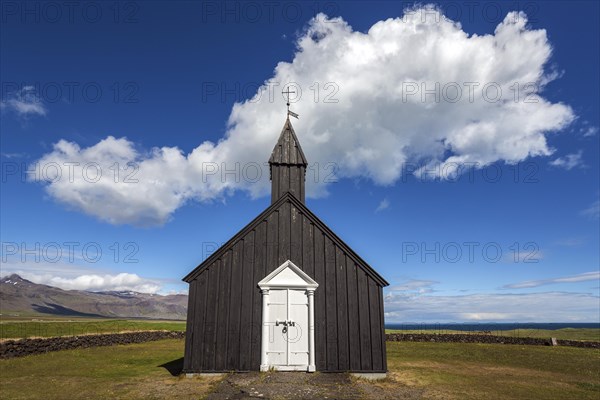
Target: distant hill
[20,296]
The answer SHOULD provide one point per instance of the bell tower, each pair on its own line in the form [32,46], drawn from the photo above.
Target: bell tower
[287,165]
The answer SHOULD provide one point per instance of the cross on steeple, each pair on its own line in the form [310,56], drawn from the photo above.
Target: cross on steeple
[287,93]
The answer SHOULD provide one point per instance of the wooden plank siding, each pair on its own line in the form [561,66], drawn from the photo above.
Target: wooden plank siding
[212,304]
[189,329]
[222,320]
[320,301]
[342,304]
[260,256]
[225,313]
[353,316]
[331,309]
[247,302]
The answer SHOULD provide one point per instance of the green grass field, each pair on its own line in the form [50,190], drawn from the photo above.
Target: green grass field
[585,334]
[441,370]
[47,326]
[477,371]
[120,372]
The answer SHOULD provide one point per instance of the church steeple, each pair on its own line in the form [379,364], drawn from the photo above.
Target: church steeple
[287,165]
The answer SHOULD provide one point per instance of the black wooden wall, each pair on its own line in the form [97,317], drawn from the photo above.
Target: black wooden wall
[287,178]
[224,315]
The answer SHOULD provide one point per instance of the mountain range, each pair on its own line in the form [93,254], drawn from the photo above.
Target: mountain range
[19,296]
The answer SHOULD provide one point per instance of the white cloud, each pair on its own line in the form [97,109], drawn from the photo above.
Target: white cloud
[569,161]
[414,284]
[510,307]
[587,276]
[122,281]
[384,204]
[24,102]
[571,242]
[74,276]
[414,287]
[114,182]
[13,155]
[531,254]
[590,131]
[375,127]
[593,211]
[94,282]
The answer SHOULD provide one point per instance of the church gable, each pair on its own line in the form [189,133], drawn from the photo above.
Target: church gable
[289,231]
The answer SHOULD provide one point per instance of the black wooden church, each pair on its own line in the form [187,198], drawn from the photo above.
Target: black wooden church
[285,292]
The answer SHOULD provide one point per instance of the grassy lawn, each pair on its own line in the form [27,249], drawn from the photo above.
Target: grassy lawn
[440,370]
[47,327]
[585,334]
[476,371]
[119,372]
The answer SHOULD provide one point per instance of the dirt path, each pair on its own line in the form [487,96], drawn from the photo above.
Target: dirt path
[295,385]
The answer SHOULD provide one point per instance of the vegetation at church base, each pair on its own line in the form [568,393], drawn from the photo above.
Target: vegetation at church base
[18,328]
[437,370]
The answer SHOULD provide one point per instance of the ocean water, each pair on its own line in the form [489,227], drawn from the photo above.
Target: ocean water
[488,326]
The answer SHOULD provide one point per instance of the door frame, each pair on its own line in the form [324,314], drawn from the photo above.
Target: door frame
[272,281]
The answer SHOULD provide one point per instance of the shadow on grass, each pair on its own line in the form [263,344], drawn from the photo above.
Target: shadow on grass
[174,367]
[57,309]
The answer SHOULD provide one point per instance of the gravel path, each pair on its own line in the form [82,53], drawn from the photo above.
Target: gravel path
[296,385]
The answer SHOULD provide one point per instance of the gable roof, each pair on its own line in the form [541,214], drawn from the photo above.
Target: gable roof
[288,197]
[287,151]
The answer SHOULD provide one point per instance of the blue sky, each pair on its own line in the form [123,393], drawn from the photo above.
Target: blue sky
[483,210]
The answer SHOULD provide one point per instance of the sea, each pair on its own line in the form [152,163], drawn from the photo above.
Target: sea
[489,326]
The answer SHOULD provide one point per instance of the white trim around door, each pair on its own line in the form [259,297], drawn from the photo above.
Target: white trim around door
[288,320]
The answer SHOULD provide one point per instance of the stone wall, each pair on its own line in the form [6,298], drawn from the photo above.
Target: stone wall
[25,347]
[475,338]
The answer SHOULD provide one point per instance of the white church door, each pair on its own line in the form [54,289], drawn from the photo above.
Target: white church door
[288,320]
